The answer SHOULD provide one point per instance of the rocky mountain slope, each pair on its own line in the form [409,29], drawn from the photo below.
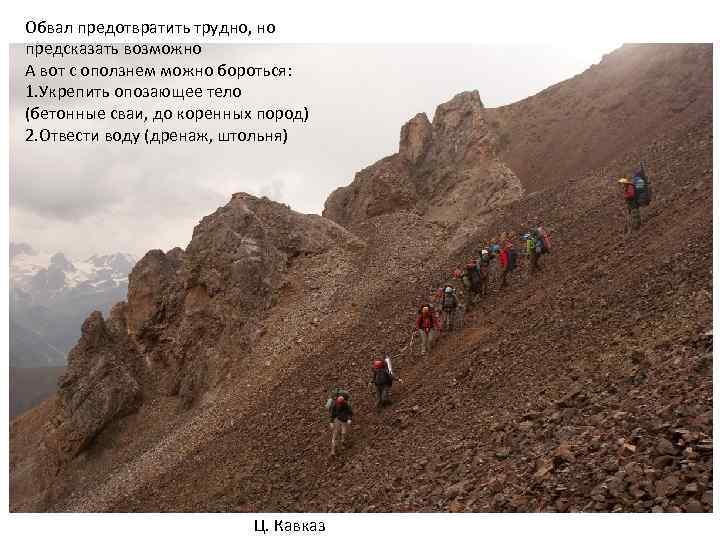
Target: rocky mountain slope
[587,387]
[636,94]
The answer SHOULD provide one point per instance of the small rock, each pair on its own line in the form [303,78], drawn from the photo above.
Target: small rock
[668,486]
[664,461]
[457,489]
[543,467]
[563,454]
[628,449]
[665,448]
[704,446]
[525,426]
[693,506]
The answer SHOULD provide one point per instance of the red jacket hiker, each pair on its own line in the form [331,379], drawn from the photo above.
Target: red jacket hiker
[505,254]
[504,257]
[425,322]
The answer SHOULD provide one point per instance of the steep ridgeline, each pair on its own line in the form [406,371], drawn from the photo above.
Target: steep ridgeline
[635,95]
[448,170]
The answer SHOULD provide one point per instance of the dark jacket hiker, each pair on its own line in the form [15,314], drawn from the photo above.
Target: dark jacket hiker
[340,418]
[383,379]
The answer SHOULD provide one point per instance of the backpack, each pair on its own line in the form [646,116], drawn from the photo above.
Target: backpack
[334,395]
[643,194]
[382,377]
[512,259]
[449,301]
[530,244]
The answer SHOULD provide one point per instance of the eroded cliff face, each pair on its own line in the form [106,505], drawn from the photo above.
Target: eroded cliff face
[102,383]
[191,318]
[447,170]
[191,314]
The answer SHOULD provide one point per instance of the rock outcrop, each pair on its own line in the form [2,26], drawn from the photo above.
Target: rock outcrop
[447,170]
[101,384]
[193,314]
[190,318]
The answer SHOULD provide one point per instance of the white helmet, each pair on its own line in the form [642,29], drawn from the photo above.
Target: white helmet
[484,252]
[448,289]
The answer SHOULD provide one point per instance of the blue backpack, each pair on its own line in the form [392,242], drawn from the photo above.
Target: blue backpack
[642,190]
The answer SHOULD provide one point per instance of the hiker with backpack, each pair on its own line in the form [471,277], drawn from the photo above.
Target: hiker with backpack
[449,304]
[382,378]
[535,246]
[494,264]
[636,193]
[545,238]
[340,418]
[629,194]
[483,263]
[427,324]
[508,261]
[472,280]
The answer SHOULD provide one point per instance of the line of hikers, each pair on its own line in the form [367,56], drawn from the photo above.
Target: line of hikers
[494,263]
[492,266]
[445,312]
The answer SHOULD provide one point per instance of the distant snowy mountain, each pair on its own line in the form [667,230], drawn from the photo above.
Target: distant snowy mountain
[51,295]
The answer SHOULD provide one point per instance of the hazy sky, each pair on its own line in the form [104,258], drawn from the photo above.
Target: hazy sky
[88,198]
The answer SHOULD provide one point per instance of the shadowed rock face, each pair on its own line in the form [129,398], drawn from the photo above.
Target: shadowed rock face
[448,170]
[100,385]
[415,138]
[150,278]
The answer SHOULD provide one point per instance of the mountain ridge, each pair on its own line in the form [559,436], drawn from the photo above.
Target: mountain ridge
[211,377]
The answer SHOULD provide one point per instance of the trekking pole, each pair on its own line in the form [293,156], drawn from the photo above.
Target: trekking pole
[409,345]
